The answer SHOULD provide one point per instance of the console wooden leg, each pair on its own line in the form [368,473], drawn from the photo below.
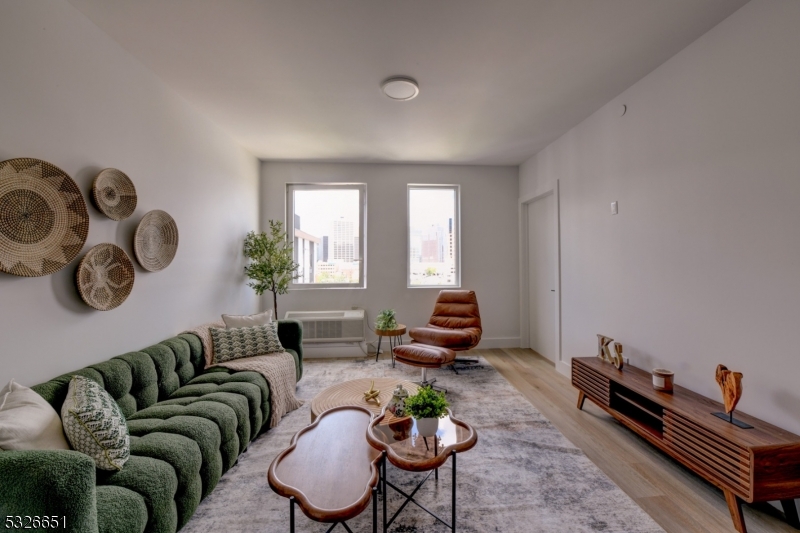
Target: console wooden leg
[581,398]
[790,510]
[735,507]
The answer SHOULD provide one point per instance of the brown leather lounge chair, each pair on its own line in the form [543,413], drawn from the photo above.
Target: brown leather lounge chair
[454,326]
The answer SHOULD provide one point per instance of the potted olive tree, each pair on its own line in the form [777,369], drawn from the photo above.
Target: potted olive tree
[427,406]
[272,264]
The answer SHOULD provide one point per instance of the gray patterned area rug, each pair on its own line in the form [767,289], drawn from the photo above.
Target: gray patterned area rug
[523,475]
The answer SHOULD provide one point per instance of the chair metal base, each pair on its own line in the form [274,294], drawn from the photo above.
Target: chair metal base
[429,383]
[466,364]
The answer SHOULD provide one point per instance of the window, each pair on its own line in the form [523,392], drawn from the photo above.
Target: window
[434,246]
[327,224]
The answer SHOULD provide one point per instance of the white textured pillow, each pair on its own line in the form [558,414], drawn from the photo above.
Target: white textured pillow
[28,422]
[247,321]
[95,425]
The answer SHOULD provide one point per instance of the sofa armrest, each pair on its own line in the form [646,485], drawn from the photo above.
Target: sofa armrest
[290,332]
[53,483]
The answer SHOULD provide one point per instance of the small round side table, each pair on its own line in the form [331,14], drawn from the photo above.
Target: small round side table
[395,339]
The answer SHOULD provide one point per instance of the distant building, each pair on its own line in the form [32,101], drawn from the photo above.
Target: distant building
[343,235]
[432,245]
[306,252]
[415,246]
[451,252]
[325,248]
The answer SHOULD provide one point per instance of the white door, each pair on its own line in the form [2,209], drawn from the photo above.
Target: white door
[541,272]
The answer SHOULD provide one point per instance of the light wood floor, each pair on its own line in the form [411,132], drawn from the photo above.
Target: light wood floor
[677,499]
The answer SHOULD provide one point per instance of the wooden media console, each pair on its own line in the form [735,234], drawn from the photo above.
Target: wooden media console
[749,465]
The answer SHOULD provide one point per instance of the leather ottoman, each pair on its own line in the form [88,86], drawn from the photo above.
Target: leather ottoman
[425,357]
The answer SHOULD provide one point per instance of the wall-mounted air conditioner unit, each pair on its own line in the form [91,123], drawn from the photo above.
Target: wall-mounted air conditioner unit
[331,326]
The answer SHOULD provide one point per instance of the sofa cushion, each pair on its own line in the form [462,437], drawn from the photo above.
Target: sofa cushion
[155,480]
[252,385]
[183,455]
[94,424]
[120,510]
[202,431]
[220,414]
[144,382]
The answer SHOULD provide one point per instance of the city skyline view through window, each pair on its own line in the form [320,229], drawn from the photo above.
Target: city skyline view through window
[433,236]
[326,232]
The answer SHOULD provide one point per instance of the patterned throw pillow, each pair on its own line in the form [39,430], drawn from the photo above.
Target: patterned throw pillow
[95,425]
[235,343]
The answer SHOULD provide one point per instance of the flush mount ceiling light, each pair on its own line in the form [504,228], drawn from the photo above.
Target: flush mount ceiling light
[400,88]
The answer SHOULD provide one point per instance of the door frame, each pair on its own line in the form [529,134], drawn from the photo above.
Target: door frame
[562,366]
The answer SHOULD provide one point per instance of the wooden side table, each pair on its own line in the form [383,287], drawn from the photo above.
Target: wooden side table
[395,339]
[400,444]
[329,469]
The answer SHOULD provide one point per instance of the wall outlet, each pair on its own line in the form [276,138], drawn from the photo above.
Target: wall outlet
[614,209]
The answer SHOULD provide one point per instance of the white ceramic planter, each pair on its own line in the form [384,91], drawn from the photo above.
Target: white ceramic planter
[427,427]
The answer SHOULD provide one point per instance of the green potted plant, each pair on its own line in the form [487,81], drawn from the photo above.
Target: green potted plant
[272,264]
[386,320]
[427,406]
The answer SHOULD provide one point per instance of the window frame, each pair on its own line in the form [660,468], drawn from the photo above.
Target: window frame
[456,226]
[362,241]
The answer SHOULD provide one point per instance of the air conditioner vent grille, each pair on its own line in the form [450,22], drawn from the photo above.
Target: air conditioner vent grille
[331,326]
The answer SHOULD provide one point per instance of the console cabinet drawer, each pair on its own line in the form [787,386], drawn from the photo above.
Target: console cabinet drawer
[715,457]
[596,386]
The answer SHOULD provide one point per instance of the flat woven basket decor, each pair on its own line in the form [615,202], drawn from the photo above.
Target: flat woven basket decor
[114,194]
[43,218]
[156,241]
[105,277]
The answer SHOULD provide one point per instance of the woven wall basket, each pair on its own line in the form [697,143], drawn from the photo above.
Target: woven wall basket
[113,194]
[43,218]
[105,277]
[156,241]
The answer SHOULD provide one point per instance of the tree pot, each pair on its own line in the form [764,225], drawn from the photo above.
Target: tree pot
[427,427]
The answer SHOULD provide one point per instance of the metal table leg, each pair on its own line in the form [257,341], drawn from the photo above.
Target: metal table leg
[385,495]
[410,497]
[291,514]
[453,523]
[378,349]
[374,509]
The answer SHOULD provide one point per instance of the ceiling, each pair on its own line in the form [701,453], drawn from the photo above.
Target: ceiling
[499,79]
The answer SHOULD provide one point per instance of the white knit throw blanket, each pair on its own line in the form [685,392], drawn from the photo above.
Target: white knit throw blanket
[277,368]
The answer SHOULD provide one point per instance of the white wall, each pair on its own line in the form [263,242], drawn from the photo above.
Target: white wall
[489,260]
[702,264]
[73,97]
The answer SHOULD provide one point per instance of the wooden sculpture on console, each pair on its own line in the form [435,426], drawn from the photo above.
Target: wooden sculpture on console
[604,353]
[731,385]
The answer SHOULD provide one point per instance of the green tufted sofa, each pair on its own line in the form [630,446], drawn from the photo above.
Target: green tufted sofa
[187,425]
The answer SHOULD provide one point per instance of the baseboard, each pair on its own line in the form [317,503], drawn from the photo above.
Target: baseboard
[498,342]
[565,367]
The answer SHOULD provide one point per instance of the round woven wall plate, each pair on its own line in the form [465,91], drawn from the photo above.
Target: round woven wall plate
[43,218]
[113,194]
[105,277]
[156,241]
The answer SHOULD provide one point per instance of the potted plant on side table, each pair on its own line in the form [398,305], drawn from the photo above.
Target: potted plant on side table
[427,406]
